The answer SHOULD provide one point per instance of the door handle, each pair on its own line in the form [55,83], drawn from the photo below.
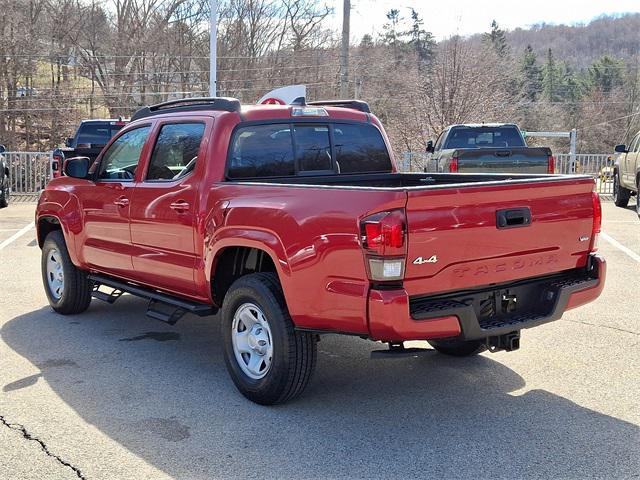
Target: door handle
[512,218]
[179,206]
[122,202]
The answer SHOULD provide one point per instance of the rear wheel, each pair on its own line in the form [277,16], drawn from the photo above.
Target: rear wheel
[67,287]
[459,348]
[267,359]
[620,194]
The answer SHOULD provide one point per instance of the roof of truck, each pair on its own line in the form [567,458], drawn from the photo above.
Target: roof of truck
[346,109]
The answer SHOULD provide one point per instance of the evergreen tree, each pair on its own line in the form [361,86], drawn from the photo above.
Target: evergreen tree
[532,75]
[367,41]
[497,39]
[551,78]
[391,35]
[606,73]
[421,40]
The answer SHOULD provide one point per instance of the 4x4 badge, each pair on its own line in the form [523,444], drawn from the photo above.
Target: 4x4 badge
[421,261]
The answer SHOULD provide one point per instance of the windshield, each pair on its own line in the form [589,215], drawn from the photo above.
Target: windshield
[485,137]
[97,133]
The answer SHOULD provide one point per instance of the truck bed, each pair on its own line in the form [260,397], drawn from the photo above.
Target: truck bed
[452,217]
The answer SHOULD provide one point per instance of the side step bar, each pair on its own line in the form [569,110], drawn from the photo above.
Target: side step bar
[162,306]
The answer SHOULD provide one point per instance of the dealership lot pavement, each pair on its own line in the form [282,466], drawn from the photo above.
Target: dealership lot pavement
[114,394]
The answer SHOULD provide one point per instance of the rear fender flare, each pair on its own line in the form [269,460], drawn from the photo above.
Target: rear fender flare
[263,240]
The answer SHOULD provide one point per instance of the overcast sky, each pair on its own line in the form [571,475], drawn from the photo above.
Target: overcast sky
[446,17]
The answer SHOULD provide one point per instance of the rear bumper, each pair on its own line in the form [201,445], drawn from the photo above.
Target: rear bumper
[483,313]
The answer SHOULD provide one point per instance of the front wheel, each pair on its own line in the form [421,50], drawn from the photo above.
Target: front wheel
[67,287]
[268,361]
[620,194]
[459,348]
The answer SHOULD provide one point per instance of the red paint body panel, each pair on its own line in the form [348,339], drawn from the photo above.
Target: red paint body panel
[460,228]
[312,233]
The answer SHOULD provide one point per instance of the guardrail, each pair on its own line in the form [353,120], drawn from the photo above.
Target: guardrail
[29,172]
[599,166]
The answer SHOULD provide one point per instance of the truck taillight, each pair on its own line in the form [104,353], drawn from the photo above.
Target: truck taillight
[383,237]
[453,166]
[551,164]
[597,221]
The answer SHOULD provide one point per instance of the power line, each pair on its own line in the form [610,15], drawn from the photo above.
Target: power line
[610,121]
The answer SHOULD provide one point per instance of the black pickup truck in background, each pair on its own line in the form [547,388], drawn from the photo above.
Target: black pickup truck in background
[487,147]
[88,141]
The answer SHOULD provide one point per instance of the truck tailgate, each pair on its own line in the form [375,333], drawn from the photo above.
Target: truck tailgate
[454,241]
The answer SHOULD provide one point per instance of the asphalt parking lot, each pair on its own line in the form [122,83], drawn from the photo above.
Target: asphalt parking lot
[114,394]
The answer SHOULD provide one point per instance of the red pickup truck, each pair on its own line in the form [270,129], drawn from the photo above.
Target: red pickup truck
[293,221]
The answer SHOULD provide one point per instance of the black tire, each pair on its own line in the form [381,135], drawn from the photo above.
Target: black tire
[620,194]
[638,197]
[459,348]
[294,353]
[4,197]
[75,295]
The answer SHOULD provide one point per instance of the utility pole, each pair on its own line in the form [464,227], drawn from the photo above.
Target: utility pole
[344,51]
[213,48]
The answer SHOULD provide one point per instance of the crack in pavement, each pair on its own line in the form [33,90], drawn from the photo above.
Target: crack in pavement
[19,428]
[602,326]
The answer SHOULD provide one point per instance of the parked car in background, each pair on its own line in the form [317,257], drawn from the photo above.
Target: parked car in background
[626,175]
[89,139]
[4,179]
[487,147]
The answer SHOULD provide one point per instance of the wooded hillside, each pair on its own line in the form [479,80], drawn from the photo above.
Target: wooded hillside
[66,60]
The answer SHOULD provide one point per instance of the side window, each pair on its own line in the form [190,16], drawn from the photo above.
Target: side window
[360,148]
[313,147]
[175,152]
[121,160]
[438,144]
[635,144]
[262,151]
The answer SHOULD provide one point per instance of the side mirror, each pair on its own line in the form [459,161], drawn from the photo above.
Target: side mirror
[2,149]
[430,146]
[69,141]
[77,167]
[622,148]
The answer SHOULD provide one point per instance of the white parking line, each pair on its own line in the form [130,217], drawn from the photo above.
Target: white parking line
[621,247]
[16,235]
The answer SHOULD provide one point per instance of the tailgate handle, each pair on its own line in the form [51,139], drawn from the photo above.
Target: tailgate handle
[503,153]
[513,217]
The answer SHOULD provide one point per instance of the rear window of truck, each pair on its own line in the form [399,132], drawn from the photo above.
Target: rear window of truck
[485,137]
[98,134]
[283,149]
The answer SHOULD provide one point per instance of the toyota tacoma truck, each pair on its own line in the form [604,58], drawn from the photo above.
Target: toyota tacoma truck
[487,147]
[626,174]
[292,222]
